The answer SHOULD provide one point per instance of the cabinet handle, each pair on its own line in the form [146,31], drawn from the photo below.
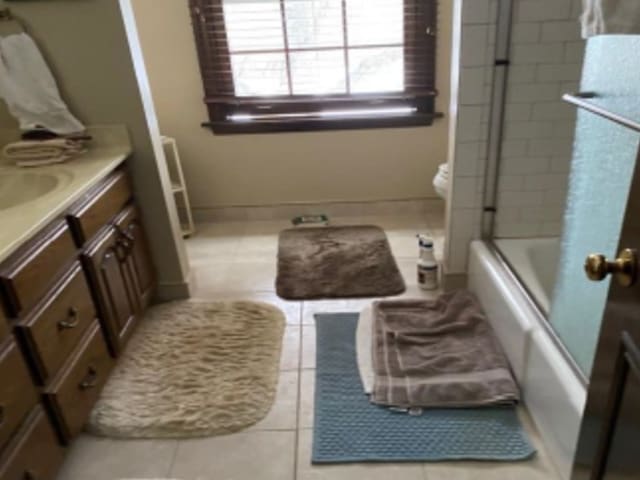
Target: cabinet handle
[1,415]
[72,320]
[29,475]
[90,381]
[126,234]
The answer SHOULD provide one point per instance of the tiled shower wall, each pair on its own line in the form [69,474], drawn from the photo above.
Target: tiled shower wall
[546,62]
[474,28]
[546,58]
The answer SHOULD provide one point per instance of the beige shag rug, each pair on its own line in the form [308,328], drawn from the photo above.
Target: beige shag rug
[194,369]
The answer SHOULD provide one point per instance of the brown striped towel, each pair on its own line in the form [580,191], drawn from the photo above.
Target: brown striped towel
[438,353]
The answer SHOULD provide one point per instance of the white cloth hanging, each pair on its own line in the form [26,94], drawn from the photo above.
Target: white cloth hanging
[29,89]
[610,16]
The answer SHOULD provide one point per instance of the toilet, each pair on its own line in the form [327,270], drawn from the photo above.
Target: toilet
[441,181]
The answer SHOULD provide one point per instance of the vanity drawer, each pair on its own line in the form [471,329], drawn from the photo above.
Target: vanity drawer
[4,326]
[75,390]
[17,393]
[28,275]
[56,326]
[100,207]
[34,453]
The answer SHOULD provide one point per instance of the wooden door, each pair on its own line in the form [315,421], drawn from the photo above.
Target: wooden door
[106,263]
[609,444]
[134,240]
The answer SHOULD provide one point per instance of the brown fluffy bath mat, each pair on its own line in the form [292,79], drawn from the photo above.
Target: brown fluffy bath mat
[336,262]
[194,369]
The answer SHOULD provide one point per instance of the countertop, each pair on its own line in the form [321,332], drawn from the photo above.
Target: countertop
[21,222]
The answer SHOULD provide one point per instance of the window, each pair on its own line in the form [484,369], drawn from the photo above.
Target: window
[282,65]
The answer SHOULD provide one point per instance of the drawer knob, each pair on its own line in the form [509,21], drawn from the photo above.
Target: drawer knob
[29,476]
[90,381]
[71,321]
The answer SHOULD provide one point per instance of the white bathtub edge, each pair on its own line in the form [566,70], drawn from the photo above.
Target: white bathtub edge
[552,391]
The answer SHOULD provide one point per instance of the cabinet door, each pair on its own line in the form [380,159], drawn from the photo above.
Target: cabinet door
[106,263]
[134,239]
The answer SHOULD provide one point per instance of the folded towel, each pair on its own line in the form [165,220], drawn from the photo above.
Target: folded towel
[363,349]
[610,16]
[438,353]
[43,152]
[29,89]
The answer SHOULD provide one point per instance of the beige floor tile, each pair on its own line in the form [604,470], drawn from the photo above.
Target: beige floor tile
[290,357]
[307,398]
[106,459]
[283,414]
[534,469]
[208,278]
[250,276]
[308,346]
[360,471]
[263,455]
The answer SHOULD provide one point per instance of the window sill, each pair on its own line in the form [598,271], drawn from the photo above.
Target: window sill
[320,124]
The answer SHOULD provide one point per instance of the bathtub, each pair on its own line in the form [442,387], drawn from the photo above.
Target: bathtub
[552,390]
[535,260]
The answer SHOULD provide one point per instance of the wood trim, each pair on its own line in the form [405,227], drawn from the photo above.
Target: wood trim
[226,127]
[419,44]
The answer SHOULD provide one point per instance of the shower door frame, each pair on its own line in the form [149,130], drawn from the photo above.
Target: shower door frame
[501,68]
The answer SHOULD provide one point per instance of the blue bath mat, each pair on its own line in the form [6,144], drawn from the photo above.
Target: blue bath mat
[347,428]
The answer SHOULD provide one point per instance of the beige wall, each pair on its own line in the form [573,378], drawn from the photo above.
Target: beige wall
[286,167]
[101,76]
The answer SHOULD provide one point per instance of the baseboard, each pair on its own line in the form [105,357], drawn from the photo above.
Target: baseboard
[166,292]
[454,281]
[333,209]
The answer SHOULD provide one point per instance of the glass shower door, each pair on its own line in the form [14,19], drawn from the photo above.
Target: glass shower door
[604,159]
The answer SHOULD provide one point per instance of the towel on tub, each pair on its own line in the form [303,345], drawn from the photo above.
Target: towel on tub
[610,16]
[438,353]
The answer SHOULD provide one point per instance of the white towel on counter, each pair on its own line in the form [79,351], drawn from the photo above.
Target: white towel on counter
[29,89]
[610,16]
[43,152]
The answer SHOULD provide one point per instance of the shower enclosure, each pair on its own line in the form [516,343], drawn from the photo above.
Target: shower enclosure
[557,180]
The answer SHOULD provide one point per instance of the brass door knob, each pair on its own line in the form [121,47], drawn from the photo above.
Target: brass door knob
[624,268]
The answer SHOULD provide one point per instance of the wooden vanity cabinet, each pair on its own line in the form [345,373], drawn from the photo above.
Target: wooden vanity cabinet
[4,326]
[34,453]
[69,301]
[129,226]
[107,263]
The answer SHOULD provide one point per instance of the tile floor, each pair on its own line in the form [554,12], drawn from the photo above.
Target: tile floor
[237,260]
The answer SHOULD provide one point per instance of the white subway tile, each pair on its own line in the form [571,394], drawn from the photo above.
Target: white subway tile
[561,31]
[525,130]
[524,165]
[517,112]
[472,86]
[476,11]
[533,92]
[559,72]
[574,51]
[537,10]
[474,45]
[526,33]
[522,74]
[464,192]
[550,147]
[553,111]
[525,53]
[466,160]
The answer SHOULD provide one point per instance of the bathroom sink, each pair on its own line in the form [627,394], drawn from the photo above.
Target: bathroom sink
[18,188]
